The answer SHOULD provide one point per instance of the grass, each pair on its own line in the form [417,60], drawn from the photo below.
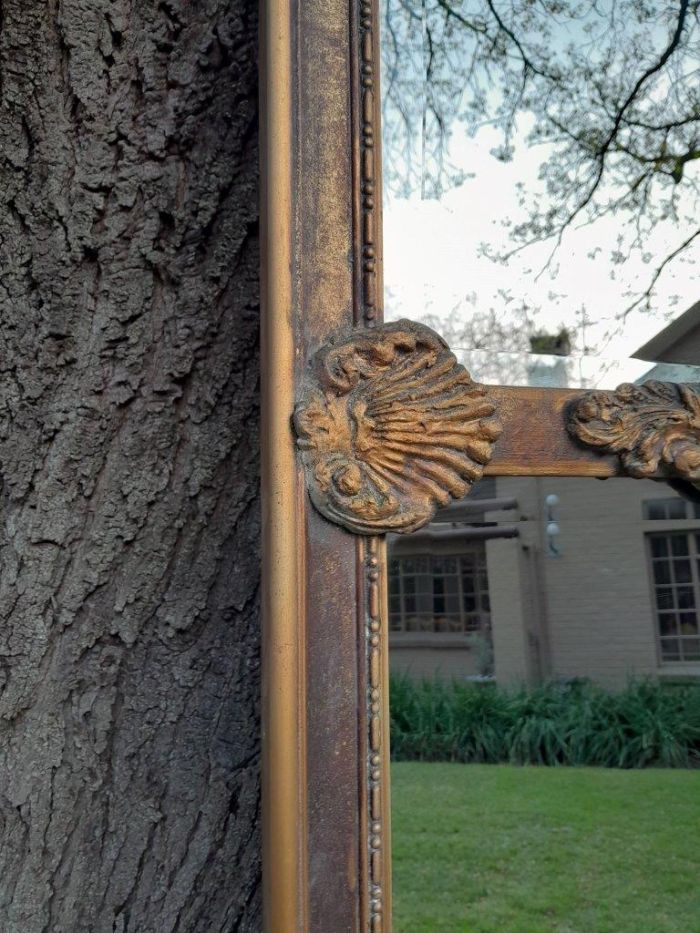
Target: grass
[503,849]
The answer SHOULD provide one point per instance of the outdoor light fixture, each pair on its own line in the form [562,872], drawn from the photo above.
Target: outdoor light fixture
[551,501]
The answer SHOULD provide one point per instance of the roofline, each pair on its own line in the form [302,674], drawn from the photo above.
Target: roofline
[654,349]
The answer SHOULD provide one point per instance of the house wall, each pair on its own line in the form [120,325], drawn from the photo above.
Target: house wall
[509,595]
[601,620]
[595,617]
[422,661]
[585,613]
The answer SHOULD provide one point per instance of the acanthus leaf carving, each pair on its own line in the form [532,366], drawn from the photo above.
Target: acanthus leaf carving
[391,427]
[653,427]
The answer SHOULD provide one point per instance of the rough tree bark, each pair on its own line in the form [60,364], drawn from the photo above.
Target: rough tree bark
[129,790]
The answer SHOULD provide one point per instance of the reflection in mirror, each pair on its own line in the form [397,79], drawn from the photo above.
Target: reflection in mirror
[541,176]
[552,622]
[541,166]
[554,371]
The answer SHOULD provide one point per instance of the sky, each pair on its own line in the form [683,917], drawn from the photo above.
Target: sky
[433,265]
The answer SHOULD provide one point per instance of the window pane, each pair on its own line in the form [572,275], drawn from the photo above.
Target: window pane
[676,508]
[679,545]
[689,623]
[668,623]
[662,571]
[691,649]
[685,597]
[655,510]
[664,597]
[681,571]
[659,546]
[438,595]
[670,649]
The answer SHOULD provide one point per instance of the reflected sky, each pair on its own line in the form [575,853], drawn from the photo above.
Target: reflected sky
[437,271]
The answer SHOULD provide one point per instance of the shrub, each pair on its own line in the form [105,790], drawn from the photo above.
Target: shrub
[574,723]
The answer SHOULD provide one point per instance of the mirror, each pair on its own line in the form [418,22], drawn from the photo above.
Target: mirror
[534,567]
[545,709]
[541,189]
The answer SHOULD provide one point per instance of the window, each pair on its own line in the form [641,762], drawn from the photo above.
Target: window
[671,508]
[675,562]
[439,593]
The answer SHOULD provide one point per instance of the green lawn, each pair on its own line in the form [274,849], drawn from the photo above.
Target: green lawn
[500,849]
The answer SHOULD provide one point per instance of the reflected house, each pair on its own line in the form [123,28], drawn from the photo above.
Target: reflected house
[486,591]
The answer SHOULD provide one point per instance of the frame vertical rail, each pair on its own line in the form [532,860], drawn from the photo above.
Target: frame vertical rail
[368,311]
[285,886]
[326,839]
[377,761]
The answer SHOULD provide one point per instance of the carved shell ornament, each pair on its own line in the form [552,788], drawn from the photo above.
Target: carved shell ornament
[654,427]
[391,427]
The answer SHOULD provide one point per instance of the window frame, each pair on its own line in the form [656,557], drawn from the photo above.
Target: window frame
[691,535]
[691,510]
[475,549]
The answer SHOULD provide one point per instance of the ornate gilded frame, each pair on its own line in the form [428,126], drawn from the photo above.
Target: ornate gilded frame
[326,858]
[326,835]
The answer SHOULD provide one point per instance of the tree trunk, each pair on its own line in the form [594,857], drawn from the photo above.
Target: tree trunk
[129,641]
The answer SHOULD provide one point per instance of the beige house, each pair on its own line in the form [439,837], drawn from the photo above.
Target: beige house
[487,590]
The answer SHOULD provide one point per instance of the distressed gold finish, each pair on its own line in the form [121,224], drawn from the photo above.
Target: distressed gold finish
[378,828]
[284,806]
[391,428]
[326,824]
[654,428]
[326,788]
[375,803]
[368,166]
